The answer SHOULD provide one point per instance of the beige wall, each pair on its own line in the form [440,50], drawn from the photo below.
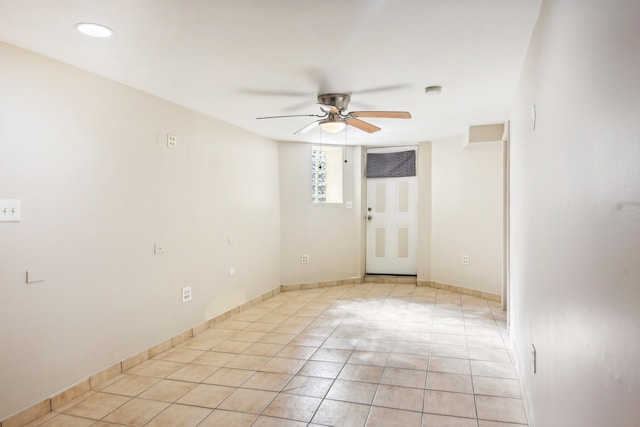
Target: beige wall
[466,213]
[575,215]
[329,233]
[99,187]
[460,212]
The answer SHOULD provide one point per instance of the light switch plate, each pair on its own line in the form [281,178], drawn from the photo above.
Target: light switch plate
[10,210]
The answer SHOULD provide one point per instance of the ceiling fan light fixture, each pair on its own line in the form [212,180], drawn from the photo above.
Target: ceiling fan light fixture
[94,30]
[333,126]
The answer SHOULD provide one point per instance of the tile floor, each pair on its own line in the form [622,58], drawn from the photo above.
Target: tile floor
[360,355]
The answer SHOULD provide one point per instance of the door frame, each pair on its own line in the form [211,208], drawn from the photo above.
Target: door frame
[364,187]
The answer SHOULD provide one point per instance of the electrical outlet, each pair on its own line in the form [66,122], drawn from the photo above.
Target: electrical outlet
[465,259]
[172,141]
[304,259]
[232,271]
[533,359]
[186,294]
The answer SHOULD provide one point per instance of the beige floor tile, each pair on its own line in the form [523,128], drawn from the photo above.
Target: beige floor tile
[404,377]
[131,385]
[247,361]
[409,347]
[293,407]
[408,361]
[250,336]
[308,386]
[156,368]
[450,339]
[180,415]
[264,349]
[449,365]
[331,355]
[486,342]
[220,417]
[321,369]
[307,340]
[277,338]
[449,382]
[289,329]
[63,420]
[293,351]
[300,320]
[229,377]
[500,387]
[245,400]
[493,369]
[235,347]
[385,417]
[193,373]
[236,325]
[167,390]
[412,336]
[348,332]
[267,381]
[262,327]
[448,350]
[485,423]
[432,420]
[410,399]
[136,412]
[105,424]
[501,409]
[364,373]
[344,414]
[206,395]
[375,345]
[489,354]
[446,403]
[341,343]
[282,365]
[205,344]
[182,355]
[214,358]
[378,354]
[265,421]
[98,405]
[352,391]
[372,358]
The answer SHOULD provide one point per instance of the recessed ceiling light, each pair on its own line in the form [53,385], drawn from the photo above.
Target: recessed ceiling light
[433,90]
[94,30]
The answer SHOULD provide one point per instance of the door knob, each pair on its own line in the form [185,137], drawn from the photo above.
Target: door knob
[369,217]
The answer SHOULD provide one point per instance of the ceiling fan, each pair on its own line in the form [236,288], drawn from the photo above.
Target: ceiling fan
[336,118]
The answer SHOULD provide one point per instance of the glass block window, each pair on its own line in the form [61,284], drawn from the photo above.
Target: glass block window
[326,174]
[318,175]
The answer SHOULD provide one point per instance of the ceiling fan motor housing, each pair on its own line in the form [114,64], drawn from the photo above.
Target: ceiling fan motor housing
[338,100]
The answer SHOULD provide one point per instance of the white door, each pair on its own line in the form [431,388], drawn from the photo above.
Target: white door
[392,219]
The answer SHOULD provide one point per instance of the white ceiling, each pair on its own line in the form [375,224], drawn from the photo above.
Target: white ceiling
[240,59]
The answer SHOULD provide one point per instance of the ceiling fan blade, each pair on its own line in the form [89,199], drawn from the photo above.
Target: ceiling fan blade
[308,127]
[260,92]
[367,127]
[382,114]
[328,108]
[382,88]
[295,115]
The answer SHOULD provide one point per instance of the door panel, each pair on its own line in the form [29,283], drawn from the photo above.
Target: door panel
[392,213]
